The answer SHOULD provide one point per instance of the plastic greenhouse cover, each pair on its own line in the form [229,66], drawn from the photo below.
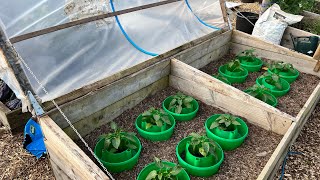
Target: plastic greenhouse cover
[72,58]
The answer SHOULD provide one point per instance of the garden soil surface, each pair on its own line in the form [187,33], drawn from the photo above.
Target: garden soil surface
[291,103]
[246,162]
[16,163]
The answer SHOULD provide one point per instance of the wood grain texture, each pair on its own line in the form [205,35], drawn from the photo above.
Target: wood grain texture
[218,94]
[69,161]
[276,159]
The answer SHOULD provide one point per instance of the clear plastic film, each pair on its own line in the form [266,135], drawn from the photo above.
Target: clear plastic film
[72,58]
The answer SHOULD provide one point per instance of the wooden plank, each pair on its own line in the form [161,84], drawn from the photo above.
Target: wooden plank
[122,74]
[87,20]
[289,138]
[286,39]
[224,11]
[303,65]
[316,56]
[204,49]
[58,172]
[218,94]
[3,115]
[17,120]
[66,155]
[102,117]
[101,98]
[310,16]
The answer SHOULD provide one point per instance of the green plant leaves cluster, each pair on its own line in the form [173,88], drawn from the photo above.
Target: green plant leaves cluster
[164,172]
[273,79]
[202,145]
[247,55]
[234,66]
[180,101]
[260,92]
[277,67]
[295,6]
[118,140]
[155,117]
[224,121]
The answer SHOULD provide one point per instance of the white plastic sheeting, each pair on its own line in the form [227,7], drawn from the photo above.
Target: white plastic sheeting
[72,58]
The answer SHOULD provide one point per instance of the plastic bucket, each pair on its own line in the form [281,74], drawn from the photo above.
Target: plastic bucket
[198,171]
[181,117]
[227,144]
[198,161]
[118,166]
[290,78]
[233,79]
[150,167]
[155,136]
[251,66]
[242,23]
[277,93]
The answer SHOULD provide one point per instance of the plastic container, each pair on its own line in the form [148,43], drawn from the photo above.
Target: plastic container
[116,157]
[226,134]
[198,161]
[277,93]
[117,167]
[288,76]
[251,66]
[150,167]
[198,171]
[156,136]
[273,102]
[231,78]
[242,23]
[181,117]
[227,144]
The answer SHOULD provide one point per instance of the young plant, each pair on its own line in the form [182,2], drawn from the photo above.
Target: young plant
[234,66]
[155,117]
[164,172]
[259,92]
[272,79]
[221,78]
[278,67]
[224,122]
[247,55]
[295,6]
[119,140]
[202,146]
[180,101]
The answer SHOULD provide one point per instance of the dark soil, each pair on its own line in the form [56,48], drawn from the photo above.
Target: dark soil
[307,165]
[246,162]
[16,163]
[292,102]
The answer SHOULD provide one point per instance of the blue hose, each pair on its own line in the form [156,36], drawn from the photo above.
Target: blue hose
[127,36]
[202,22]
[285,161]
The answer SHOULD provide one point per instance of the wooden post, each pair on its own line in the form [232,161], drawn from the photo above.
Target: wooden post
[224,11]
[316,56]
[67,159]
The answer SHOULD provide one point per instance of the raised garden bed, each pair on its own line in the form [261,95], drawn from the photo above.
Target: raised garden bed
[105,103]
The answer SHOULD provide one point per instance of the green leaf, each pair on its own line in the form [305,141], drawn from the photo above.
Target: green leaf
[107,143]
[195,135]
[278,85]
[159,123]
[116,142]
[214,125]
[236,123]
[206,147]
[131,146]
[146,113]
[202,152]
[227,123]
[131,133]
[166,120]
[187,100]
[173,101]
[130,138]
[178,110]
[188,105]
[156,117]
[113,150]
[176,170]
[180,102]
[158,162]
[152,175]
[148,125]
[113,125]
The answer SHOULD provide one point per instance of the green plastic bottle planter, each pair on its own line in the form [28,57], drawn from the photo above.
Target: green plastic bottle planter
[226,134]
[198,161]
[234,78]
[273,102]
[150,167]
[193,170]
[289,77]
[227,144]
[186,115]
[116,157]
[119,166]
[153,128]
[251,66]
[156,136]
[273,90]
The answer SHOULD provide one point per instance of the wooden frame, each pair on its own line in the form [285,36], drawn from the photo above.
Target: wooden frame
[156,74]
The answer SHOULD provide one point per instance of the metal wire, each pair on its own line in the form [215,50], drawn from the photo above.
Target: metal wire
[66,118]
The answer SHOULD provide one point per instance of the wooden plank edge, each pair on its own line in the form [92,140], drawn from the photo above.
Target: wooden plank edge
[66,155]
[272,166]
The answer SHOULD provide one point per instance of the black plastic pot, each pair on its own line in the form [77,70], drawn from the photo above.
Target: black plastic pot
[243,24]
[247,1]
